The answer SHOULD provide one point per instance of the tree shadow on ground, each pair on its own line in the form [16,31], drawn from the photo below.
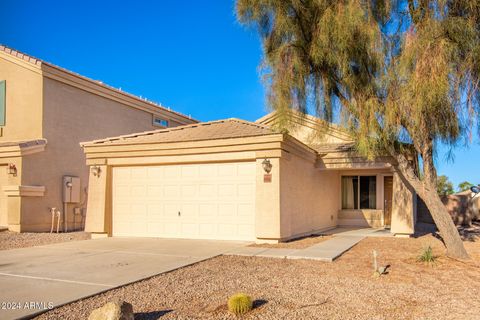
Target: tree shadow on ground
[470,233]
[467,233]
[154,315]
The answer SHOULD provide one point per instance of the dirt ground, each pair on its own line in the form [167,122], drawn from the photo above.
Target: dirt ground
[13,240]
[305,289]
[300,243]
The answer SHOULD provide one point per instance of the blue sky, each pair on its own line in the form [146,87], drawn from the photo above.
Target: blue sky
[191,56]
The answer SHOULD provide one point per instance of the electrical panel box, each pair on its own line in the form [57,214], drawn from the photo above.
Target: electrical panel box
[71,189]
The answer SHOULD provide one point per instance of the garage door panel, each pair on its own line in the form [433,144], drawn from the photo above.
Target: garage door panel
[246,190]
[206,211]
[171,230]
[154,173]
[171,172]
[246,230]
[189,191]
[207,190]
[215,201]
[154,191]
[189,171]
[138,191]
[227,190]
[171,191]
[227,170]
[207,171]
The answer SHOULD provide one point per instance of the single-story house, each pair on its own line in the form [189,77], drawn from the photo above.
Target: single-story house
[45,111]
[238,180]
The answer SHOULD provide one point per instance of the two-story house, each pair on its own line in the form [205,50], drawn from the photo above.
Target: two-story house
[45,111]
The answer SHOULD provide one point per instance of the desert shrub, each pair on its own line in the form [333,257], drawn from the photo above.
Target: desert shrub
[427,256]
[240,303]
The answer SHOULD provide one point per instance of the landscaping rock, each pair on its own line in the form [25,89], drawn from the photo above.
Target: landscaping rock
[117,310]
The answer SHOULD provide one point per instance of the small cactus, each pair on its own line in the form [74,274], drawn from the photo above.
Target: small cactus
[240,303]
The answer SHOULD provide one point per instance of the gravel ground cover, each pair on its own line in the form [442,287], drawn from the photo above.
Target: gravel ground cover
[13,240]
[300,243]
[305,289]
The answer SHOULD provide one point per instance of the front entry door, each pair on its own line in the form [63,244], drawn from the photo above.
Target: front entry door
[387,199]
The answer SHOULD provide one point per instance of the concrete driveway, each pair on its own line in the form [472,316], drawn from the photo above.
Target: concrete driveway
[33,279]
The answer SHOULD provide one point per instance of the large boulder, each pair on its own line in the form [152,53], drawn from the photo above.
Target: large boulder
[116,310]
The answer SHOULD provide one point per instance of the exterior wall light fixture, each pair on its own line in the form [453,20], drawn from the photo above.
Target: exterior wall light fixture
[267,166]
[95,171]
[12,169]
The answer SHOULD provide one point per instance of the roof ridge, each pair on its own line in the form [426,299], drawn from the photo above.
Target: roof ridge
[39,62]
[174,129]
[251,123]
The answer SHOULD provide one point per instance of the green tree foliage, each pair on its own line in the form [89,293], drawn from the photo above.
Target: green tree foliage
[444,186]
[464,186]
[402,76]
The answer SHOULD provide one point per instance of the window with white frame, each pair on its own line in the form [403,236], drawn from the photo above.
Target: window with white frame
[359,192]
[160,122]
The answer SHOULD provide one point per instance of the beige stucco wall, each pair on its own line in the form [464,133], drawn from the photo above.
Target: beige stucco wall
[404,207]
[71,116]
[267,201]
[23,122]
[309,197]
[44,102]
[23,100]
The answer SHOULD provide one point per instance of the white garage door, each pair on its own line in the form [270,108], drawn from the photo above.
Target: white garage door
[197,201]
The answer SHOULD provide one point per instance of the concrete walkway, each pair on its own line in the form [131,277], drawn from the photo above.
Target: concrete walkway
[32,279]
[343,239]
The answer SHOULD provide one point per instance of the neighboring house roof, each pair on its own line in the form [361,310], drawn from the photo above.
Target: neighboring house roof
[39,63]
[220,129]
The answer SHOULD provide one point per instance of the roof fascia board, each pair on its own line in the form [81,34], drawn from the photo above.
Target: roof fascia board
[35,67]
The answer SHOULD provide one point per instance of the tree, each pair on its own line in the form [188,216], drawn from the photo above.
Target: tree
[464,186]
[444,186]
[401,75]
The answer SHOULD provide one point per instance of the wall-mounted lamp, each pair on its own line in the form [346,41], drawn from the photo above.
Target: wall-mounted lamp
[95,171]
[267,166]
[12,169]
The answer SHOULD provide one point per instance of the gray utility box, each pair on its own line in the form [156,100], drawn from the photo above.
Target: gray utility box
[71,189]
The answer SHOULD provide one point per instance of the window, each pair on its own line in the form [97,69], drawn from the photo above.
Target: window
[3,97]
[160,122]
[359,192]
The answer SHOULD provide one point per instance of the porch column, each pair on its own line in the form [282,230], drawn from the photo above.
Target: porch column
[98,218]
[403,207]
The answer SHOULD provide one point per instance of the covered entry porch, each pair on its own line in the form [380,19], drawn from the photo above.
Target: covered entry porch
[371,193]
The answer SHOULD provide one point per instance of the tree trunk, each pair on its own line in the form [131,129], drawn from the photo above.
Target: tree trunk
[440,215]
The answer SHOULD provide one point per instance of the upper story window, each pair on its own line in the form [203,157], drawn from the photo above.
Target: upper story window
[359,192]
[3,98]
[160,122]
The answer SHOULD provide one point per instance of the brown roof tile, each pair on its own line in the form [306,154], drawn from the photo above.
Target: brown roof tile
[221,129]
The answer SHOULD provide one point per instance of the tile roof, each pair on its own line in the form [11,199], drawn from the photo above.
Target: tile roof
[220,129]
[333,147]
[39,62]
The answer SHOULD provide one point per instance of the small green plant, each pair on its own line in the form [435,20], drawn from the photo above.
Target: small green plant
[427,256]
[240,303]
